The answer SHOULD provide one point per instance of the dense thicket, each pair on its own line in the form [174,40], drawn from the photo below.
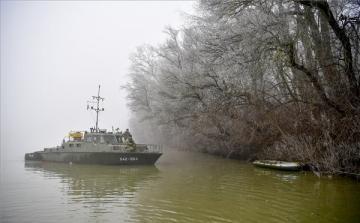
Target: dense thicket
[257,78]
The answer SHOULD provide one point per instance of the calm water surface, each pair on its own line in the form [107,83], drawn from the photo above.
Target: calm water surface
[181,187]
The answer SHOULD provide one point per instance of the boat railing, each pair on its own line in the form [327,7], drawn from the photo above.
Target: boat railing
[152,148]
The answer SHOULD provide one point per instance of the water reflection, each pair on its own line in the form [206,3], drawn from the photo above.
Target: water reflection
[96,187]
[185,187]
[286,176]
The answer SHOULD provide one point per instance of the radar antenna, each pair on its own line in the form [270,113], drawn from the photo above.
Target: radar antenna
[97,109]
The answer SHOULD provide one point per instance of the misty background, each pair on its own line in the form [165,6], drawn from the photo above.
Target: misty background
[55,54]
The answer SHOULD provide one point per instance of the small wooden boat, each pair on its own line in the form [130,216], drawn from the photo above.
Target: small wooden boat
[280,165]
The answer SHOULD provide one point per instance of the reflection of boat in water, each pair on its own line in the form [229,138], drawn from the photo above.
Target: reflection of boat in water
[279,165]
[286,176]
[84,183]
[99,147]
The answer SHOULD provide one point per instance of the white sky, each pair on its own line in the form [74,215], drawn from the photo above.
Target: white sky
[54,54]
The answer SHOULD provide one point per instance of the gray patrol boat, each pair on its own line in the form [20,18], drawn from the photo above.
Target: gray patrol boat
[99,147]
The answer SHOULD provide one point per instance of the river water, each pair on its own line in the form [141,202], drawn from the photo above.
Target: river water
[181,187]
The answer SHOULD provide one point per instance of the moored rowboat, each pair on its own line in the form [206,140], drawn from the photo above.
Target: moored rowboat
[280,165]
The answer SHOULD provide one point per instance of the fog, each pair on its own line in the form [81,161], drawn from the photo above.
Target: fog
[55,54]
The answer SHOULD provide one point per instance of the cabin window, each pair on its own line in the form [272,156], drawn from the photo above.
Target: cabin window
[71,145]
[110,139]
[96,139]
[78,145]
[89,139]
[102,140]
[119,139]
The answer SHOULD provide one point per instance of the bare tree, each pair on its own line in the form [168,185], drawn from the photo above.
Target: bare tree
[249,75]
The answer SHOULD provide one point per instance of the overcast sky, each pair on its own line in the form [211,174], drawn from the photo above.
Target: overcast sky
[54,54]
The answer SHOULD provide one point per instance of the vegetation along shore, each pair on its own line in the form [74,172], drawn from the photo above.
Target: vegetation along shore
[256,79]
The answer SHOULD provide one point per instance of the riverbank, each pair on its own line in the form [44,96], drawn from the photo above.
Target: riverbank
[315,167]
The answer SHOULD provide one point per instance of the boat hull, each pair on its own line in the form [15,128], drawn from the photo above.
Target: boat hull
[33,156]
[279,165]
[103,158]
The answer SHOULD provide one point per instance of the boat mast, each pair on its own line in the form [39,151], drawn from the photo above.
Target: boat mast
[97,109]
